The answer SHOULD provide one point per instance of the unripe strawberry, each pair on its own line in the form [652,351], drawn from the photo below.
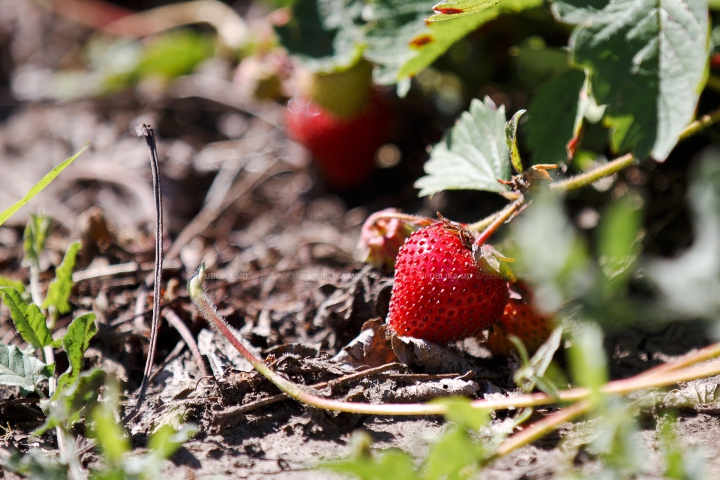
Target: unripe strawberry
[521,319]
[381,237]
[441,294]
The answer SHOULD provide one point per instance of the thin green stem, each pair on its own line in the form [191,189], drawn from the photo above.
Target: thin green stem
[587,178]
[542,427]
[499,219]
[700,124]
[307,396]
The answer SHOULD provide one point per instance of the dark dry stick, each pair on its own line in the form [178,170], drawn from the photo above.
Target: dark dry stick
[147,132]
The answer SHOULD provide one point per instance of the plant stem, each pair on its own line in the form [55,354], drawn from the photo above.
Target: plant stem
[500,218]
[149,134]
[587,178]
[542,427]
[620,387]
[700,124]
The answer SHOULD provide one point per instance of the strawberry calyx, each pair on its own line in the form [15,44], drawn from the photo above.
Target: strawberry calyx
[384,232]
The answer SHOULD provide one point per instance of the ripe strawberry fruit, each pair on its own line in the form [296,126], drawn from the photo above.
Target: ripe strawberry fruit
[440,293]
[344,148]
[521,319]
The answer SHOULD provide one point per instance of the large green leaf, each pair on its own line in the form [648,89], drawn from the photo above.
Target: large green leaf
[29,320]
[324,34]
[453,9]
[648,62]
[37,188]
[473,156]
[59,289]
[75,342]
[551,117]
[402,44]
[21,369]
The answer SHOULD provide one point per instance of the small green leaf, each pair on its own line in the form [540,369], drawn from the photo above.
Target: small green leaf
[166,440]
[649,63]
[38,187]
[453,452]
[59,289]
[75,342]
[461,413]
[36,231]
[551,118]
[454,9]
[69,405]
[174,53]
[9,282]
[109,433]
[511,138]
[21,369]
[473,156]
[389,465]
[28,319]
[619,240]
[588,363]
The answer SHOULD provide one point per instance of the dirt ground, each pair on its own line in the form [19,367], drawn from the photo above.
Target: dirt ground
[281,257]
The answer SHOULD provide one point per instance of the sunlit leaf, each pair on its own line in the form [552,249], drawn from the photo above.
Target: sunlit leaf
[588,363]
[9,282]
[59,289]
[174,53]
[38,187]
[22,369]
[511,138]
[28,319]
[648,60]
[619,239]
[75,342]
[69,405]
[472,156]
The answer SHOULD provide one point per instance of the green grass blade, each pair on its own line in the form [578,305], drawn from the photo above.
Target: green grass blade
[37,188]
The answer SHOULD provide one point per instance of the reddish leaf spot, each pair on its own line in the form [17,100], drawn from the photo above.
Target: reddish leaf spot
[421,40]
[449,10]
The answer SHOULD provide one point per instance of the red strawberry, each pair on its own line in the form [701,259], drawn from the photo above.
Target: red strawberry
[339,117]
[343,147]
[520,319]
[441,294]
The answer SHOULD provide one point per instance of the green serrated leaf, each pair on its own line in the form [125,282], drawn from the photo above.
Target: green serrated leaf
[22,369]
[473,156]
[648,60]
[551,118]
[324,34]
[59,289]
[28,319]
[401,42]
[36,231]
[38,187]
[454,9]
[69,405]
[511,138]
[75,342]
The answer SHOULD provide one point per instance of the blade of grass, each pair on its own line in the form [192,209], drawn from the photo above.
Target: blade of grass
[39,186]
